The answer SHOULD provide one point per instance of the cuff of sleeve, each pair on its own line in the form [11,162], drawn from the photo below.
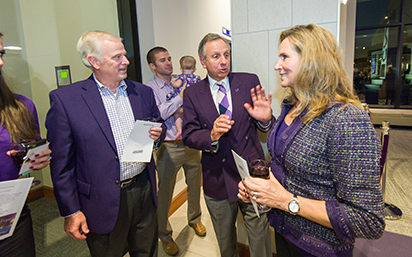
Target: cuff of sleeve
[339,220]
[215,146]
[71,214]
[264,127]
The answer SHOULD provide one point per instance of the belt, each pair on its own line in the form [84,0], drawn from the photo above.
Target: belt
[130,181]
[174,141]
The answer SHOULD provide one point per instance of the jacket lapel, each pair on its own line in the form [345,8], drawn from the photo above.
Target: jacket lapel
[135,100]
[208,105]
[238,93]
[91,96]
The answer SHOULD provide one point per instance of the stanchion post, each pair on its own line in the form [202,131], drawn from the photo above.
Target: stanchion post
[391,211]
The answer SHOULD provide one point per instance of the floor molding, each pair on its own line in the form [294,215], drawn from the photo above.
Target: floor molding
[178,201]
[46,191]
[40,192]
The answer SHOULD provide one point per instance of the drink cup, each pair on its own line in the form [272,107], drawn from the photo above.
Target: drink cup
[258,169]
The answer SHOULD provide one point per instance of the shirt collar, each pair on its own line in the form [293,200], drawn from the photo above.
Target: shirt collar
[162,83]
[122,84]
[224,81]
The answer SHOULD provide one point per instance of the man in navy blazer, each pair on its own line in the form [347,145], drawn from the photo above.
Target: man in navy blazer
[110,203]
[206,129]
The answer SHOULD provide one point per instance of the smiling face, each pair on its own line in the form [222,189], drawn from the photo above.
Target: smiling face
[288,63]
[112,68]
[163,66]
[217,62]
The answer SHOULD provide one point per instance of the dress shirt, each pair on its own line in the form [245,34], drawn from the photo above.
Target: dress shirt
[167,108]
[121,118]
[214,89]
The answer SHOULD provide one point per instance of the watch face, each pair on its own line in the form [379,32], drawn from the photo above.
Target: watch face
[294,207]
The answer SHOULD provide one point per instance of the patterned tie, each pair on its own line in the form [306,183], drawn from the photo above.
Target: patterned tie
[223,101]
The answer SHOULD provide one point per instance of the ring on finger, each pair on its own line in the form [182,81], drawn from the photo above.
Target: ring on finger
[217,124]
[48,159]
[255,196]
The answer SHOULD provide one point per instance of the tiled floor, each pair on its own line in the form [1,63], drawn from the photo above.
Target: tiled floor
[191,245]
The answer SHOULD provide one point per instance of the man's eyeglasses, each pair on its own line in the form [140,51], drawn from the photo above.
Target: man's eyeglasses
[2,53]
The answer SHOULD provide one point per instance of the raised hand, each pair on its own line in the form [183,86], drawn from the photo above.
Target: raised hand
[261,109]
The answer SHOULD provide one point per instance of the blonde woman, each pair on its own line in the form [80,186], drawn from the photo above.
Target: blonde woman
[324,189]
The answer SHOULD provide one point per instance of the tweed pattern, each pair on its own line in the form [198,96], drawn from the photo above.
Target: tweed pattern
[334,158]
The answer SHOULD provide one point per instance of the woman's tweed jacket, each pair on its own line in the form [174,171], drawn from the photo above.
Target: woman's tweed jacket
[334,158]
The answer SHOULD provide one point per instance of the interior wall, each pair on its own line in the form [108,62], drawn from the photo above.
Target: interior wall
[179,26]
[255,34]
[48,31]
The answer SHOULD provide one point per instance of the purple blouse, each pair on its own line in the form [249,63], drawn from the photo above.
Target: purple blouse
[8,168]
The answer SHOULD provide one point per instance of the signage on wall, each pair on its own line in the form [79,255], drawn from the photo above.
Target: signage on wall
[226,32]
[63,77]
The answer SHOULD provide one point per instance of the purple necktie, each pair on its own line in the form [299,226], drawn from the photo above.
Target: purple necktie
[224,103]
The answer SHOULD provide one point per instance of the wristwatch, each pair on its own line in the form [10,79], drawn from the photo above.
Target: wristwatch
[294,205]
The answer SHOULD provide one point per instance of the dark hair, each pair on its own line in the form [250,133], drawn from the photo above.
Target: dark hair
[209,37]
[150,57]
[15,116]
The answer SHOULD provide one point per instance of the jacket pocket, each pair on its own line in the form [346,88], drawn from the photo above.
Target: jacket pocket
[83,187]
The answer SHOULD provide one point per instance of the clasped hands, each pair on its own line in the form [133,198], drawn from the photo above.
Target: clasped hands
[268,192]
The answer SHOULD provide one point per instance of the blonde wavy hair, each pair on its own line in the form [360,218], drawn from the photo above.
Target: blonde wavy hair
[321,78]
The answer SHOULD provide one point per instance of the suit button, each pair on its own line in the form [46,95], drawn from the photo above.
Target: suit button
[285,136]
[204,125]
[246,137]
[117,182]
[224,159]
[116,158]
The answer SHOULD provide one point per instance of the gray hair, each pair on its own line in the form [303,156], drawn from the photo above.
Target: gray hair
[207,38]
[90,44]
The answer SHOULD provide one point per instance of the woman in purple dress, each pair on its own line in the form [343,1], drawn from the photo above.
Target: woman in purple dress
[324,188]
[18,123]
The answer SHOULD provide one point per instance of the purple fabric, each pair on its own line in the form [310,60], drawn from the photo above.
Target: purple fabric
[382,160]
[390,244]
[9,170]
[166,108]
[220,175]
[85,169]
[326,160]
[190,79]
[224,103]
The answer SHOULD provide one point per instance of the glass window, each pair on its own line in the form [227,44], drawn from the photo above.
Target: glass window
[408,11]
[374,64]
[406,73]
[377,12]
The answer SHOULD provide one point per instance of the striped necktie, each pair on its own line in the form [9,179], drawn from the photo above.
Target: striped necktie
[223,101]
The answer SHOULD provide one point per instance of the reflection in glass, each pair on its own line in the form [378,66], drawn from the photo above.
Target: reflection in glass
[374,66]
[377,12]
[406,73]
[408,11]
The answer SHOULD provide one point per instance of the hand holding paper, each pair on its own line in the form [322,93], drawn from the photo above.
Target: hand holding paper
[243,170]
[139,145]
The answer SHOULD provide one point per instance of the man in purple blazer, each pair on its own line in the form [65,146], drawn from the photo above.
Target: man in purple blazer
[110,203]
[218,116]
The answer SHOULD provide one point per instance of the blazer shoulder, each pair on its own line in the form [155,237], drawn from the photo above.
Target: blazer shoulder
[139,87]
[72,88]
[196,87]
